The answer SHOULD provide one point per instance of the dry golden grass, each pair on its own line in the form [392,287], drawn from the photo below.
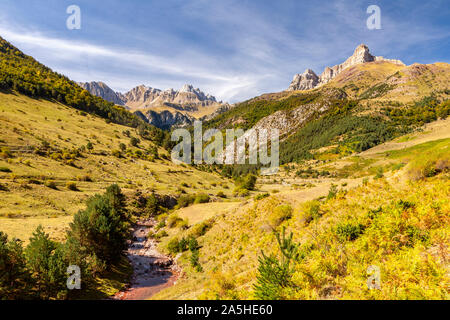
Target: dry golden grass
[200,212]
[27,122]
[22,228]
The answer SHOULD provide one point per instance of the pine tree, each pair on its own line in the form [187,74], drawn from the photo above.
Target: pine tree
[45,261]
[102,229]
[15,279]
[274,275]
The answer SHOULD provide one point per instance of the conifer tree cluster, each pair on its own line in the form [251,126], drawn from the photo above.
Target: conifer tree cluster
[95,241]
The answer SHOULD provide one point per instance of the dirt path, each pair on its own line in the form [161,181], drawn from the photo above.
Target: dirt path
[153,271]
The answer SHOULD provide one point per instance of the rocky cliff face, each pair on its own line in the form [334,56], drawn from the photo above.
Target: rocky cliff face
[140,95]
[166,119]
[100,89]
[309,80]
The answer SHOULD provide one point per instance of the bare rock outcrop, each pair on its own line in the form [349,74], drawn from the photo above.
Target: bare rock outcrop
[101,90]
[309,80]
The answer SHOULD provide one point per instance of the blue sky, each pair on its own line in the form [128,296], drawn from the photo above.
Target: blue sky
[233,49]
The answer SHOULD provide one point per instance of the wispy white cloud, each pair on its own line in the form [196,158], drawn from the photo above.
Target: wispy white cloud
[237,50]
[226,84]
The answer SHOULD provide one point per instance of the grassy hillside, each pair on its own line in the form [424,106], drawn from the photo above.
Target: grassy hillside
[397,220]
[44,149]
[366,105]
[23,74]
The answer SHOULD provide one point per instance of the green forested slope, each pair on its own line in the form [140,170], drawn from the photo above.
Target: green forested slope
[23,74]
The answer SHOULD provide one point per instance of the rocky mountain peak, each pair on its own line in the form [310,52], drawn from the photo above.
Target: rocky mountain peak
[100,89]
[309,80]
[361,55]
[305,81]
[200,95]
[187,88]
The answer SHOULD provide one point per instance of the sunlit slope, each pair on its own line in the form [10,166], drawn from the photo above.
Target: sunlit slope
[44,142]
[397,220]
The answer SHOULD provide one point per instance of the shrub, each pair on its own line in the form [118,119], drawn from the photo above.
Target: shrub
[72,186]
[84,178]
[134,141]
[241,192]
[161,234]
[311,211]
[185,201]
[152,205]
[33,181]
[248,182]
[332,192]
[177,246]
[202,198]
[379,174]
[415,234]
[429,169]
[173,246]
[161,225]
[192,244]
[195,261]
[274,274]
[15,282]
[184,224]
[51,184]
[4,169]
[5,153]
[427,165]
[173,220]
[116,153]
[220,194]
[349,231]
[280,214]
[200,229]
[3,188]
[261,196]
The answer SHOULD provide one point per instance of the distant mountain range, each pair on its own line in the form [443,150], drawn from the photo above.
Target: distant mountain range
[164,109]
